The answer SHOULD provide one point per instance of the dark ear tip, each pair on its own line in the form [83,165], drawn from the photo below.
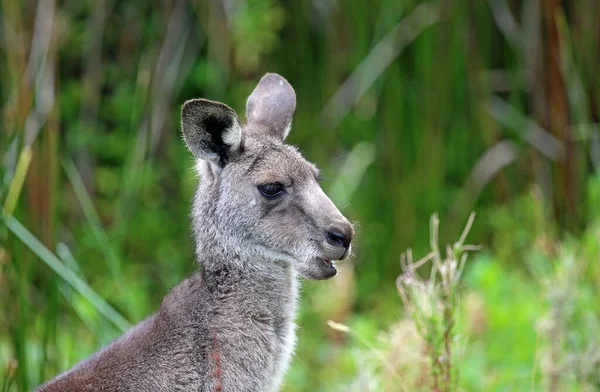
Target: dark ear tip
[196,105]
[190,105]
[193,101]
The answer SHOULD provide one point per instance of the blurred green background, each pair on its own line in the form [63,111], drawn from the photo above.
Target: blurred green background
[409,107]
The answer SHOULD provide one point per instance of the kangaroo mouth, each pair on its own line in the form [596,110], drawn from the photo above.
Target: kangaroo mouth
[317,268]
[328,263]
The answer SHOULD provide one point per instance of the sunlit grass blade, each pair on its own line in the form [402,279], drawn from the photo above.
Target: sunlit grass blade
[16,185]
[64,272]
[352,173]
[379,59]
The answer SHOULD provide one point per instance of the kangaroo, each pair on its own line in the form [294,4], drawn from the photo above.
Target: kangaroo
[260,219]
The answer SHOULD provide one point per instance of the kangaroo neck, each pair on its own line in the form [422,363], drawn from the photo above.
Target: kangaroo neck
[232,270]
[230,274]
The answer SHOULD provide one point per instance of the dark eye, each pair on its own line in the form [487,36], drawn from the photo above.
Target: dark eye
[270,191]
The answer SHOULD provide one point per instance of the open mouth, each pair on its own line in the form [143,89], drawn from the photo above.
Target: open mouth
[328,263]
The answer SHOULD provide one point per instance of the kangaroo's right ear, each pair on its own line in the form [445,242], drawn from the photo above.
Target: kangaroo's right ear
[211,130]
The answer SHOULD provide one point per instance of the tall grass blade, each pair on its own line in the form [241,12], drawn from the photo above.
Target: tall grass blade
[16,185]
[65,273]
[352,173]
[114,264]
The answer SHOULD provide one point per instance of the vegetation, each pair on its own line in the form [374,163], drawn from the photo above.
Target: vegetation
[409,107]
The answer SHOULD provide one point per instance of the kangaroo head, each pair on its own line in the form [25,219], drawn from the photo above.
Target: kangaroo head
[258,195]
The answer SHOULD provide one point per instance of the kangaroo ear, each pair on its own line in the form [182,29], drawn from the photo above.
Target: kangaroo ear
[211,130]
[271,106]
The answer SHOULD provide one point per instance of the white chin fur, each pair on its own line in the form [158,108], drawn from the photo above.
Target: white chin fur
[271,254]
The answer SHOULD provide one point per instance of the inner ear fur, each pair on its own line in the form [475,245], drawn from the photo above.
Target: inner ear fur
[271,106]
[211,130]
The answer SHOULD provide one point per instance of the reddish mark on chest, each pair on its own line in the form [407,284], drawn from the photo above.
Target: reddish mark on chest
[215,355]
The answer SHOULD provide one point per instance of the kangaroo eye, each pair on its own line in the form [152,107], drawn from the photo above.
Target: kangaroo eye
[270,191]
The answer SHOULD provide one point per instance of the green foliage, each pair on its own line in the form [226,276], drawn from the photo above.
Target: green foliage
[531,328]
[432,305]
[501,311]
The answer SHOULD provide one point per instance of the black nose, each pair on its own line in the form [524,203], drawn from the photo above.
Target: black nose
[336,237]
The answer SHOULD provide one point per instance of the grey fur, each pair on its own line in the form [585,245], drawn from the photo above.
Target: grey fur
[211,130]
[271,105]
[231,326]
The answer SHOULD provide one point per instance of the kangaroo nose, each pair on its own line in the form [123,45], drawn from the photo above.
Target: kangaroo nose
[337,237]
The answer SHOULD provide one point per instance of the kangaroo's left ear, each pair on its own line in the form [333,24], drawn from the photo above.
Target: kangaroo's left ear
[271,106]
[211,130]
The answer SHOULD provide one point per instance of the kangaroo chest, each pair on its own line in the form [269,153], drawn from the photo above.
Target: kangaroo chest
[252,333]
